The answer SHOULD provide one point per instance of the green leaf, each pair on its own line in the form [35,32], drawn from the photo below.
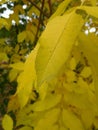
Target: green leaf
[7,123]
[71,121]
[56,44]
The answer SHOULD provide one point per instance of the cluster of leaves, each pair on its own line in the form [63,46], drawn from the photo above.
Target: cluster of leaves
[57,84]
[19,32]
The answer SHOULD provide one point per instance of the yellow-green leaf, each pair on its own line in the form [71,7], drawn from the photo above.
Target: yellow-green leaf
[56,44]
[7,123]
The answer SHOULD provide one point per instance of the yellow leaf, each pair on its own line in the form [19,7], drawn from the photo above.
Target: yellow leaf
[89,45]
[17,48]
[53,127]
[71,121]
[61,9]
[42,90]
[4,23]
[13,74]
[90,10]
[30,36]
[63,128]
[94,2]
[87,118]
[48,120]
[27,78]
[17,65]
[3,57]
[15,17]
[13,103]
[22,36]
[86,72]
[7,123]
[49,102]
[56,44]
[26,128]
[72,63]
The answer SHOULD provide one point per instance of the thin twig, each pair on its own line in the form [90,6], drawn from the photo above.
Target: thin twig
[50,6]
[40,17]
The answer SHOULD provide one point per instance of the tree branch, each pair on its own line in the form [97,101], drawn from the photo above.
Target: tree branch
[38,8]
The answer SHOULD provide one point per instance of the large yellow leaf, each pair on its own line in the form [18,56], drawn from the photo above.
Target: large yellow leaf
[56,44]
[89,45]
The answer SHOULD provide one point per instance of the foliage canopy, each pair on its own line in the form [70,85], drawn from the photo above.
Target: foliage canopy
[48,65]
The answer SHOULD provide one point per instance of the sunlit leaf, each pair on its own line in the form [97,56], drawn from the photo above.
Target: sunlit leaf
[56,44]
